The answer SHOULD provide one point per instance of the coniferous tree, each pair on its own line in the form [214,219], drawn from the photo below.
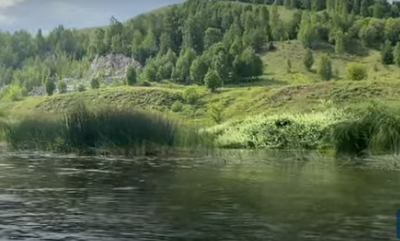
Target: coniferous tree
[325,68]
[308,60]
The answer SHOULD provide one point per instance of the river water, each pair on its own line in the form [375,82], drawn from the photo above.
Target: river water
[233,197]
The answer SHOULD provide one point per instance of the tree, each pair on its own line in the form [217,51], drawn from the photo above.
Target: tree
[364,8]
[95,83]
[396,54]
[308,60]
[181,72]
[356,71]
[339,43]
[387,53]
[212,36]
[248,64]
[325,68]
[50,87]
[307,32]
[221,65]
[131,76]
[212,80]
[198,69]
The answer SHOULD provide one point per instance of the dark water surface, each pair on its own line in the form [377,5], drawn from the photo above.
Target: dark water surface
[232,198]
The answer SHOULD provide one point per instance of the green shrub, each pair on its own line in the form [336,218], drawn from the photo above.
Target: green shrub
[50,87]
[81,88]
[212,80]
[356,71]
[190,95]
[325,68]
[95,83]
[308,60]
[131,75]
[293,131]
[177,106]
[62,87]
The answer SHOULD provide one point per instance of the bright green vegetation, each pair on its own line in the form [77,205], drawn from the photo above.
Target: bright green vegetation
[257,71]
[107,130]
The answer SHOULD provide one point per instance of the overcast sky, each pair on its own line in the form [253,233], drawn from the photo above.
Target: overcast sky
[47,14]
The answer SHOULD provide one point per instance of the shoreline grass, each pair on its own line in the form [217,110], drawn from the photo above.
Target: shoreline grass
[109,131]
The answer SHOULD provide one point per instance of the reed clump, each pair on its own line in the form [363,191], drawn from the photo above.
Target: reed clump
[107,130]
[374,131]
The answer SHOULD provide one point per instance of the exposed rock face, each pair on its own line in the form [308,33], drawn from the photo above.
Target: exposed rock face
[112,66]
[37,91]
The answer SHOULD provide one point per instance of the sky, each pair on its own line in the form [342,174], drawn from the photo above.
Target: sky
[48,14]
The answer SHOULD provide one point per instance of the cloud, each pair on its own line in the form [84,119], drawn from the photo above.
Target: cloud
[4,4]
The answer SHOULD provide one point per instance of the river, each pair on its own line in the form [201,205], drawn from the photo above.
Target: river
[232,197]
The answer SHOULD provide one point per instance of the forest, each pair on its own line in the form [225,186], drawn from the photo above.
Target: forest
[201,42]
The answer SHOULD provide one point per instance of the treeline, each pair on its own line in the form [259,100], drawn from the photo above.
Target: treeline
[186,42]
[30,61]
[365,8]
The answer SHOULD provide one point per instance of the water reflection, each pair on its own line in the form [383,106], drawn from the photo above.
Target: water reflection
[231,197]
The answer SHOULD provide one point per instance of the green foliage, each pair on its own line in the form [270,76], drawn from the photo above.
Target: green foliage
[307,32]
[81,88]
[190,95]
[62,87]
[181,72]
[95,83]
[387,53]
[12,92]
[198,69]
[248,64]
[212,80]
[376,130]
[177,106]
[216,113]
[325,68]
[308,60]
[131,76]
[293,131]
[50,87]
[339,43]
[356,71]
[113,130]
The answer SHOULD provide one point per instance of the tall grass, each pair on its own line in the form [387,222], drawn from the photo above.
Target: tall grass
[110,130]
[283,131]
[377,131]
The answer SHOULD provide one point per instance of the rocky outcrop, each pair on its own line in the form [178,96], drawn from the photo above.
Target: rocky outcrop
[111,66]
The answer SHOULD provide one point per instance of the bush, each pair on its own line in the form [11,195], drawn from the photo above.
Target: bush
[325,68]
[131,75]
[50,87]
[62,87]
[146,83]
[190,95]
[292,131]
[95,83]
[308,60]
[356,71]
[177,106]
[81,88]
[212,80]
